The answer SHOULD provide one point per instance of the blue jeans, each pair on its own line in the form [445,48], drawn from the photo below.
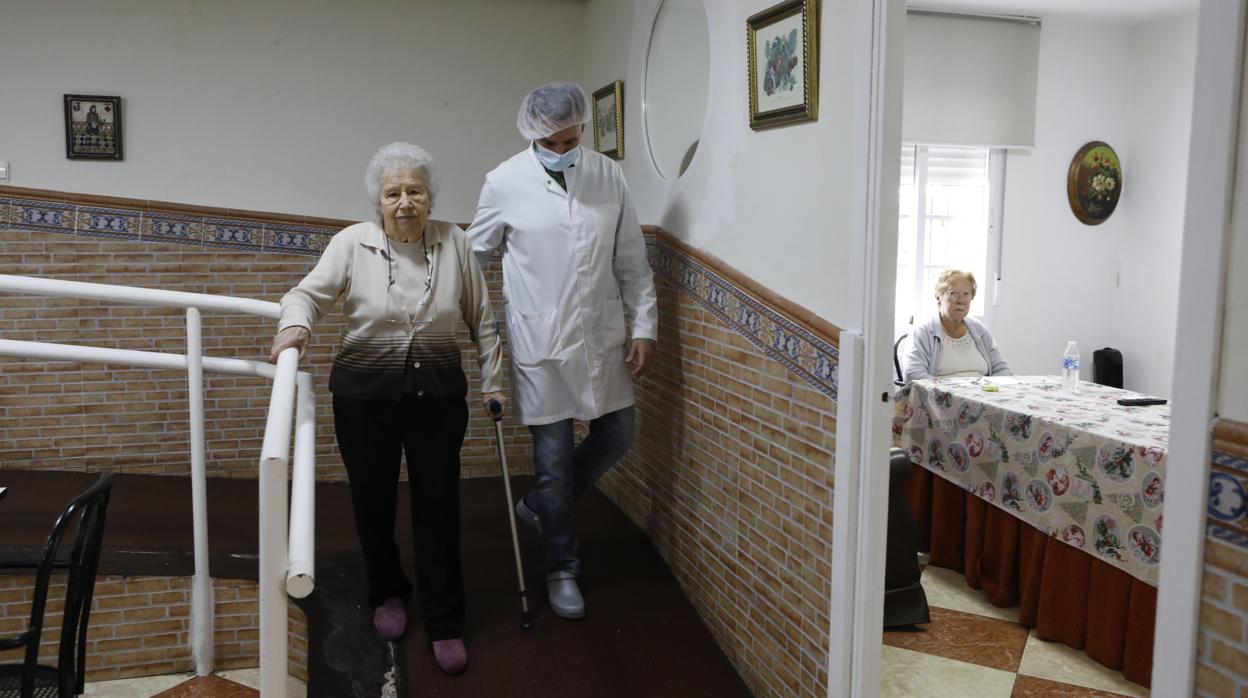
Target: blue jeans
[564,471]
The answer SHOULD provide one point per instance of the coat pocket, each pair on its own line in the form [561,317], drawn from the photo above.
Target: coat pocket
[614,331]
[534,337]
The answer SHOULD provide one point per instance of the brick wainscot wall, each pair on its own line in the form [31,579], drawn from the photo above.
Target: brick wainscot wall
[731,472]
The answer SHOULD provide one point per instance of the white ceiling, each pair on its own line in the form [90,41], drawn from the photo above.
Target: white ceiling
[1114,10]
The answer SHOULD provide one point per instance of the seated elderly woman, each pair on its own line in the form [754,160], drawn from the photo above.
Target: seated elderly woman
[952,344]
[406,284]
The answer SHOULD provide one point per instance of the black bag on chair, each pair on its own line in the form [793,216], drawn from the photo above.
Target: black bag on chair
[1107,367]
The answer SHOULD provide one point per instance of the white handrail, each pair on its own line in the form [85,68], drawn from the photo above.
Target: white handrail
[274,456]
[137,295]
[20,348]
[301,563]
[277,577]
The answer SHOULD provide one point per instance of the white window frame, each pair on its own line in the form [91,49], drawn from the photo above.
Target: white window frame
[990,286]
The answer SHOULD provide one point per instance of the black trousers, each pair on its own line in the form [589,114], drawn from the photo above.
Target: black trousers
[371,435]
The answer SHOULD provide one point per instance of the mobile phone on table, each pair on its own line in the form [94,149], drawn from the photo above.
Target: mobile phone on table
[1140,401]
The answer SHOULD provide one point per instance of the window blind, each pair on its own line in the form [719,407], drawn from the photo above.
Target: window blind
[970,80]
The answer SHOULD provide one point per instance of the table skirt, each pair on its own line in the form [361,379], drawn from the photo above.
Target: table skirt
[1064,593]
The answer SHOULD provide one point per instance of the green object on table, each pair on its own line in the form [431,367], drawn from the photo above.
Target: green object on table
[988,388]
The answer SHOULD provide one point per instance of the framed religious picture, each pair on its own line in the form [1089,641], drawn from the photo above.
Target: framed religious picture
[92,127]
[783,60]
[609,120]
[1094,182]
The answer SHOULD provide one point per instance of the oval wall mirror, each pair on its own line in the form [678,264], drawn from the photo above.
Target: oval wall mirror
[677,71]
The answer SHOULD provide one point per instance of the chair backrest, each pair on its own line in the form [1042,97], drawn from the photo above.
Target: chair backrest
[898,378]
[84,516]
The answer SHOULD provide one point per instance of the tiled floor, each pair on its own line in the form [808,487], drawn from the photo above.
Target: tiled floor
[972,648]
[239,683]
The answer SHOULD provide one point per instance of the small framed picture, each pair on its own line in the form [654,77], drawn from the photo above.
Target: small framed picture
[609,120]
[92,127]
[783,64]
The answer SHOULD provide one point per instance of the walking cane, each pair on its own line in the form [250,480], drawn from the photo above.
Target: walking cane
[496,411]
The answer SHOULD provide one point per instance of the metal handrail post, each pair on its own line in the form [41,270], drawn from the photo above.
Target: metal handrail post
[202,603]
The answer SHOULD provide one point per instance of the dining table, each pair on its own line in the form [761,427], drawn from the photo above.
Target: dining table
[1045,496]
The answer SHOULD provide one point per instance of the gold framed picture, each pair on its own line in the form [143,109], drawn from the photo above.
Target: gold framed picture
[609,120]
[783,64]
[1094,183]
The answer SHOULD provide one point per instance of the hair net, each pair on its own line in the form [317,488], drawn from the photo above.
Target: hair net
[550,109]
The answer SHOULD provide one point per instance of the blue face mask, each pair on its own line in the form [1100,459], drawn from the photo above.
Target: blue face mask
[554,161]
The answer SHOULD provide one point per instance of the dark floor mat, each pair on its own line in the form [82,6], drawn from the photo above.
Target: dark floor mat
[641,637]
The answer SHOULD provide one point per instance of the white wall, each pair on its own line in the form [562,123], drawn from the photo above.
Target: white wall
[1232,401]
[278,105]
[774,204]
[1163,62]
[1059,275]
[1114,284]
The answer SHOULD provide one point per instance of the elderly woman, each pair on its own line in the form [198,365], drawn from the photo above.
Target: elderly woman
[953,344]
[406,284]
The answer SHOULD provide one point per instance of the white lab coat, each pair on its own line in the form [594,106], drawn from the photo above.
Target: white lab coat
[573,262]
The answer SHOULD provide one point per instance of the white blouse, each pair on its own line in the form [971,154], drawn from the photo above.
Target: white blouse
[960,357]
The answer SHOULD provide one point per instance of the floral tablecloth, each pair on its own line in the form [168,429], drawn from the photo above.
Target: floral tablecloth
[1077,465]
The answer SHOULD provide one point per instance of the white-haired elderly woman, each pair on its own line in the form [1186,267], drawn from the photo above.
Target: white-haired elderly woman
[952,344]
[406,283]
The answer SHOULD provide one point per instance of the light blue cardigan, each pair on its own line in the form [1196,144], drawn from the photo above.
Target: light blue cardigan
[923,359]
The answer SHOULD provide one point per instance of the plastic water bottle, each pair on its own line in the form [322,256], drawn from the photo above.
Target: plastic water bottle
[1070,367]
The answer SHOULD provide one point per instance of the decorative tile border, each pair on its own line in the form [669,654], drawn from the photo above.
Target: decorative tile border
[786,335]
[41,216]
[56,215]
[1227,509]
[171,227]
[295,239]
[781,337]
[235,234]
[108,222]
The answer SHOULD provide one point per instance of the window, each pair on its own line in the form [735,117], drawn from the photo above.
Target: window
[950,217]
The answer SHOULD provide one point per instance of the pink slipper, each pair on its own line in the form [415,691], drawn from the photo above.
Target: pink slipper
[451,655]
[390,619]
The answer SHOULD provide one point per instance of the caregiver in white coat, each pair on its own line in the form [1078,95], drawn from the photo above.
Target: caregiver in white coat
[574,260]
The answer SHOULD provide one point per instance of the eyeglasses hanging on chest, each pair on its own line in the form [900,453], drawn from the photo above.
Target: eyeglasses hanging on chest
[403,267]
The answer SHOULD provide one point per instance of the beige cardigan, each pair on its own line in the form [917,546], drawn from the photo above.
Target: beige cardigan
[387,349]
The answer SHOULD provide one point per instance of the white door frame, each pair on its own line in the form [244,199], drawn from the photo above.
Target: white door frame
[861,471]
[1210,178]
[864,383]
